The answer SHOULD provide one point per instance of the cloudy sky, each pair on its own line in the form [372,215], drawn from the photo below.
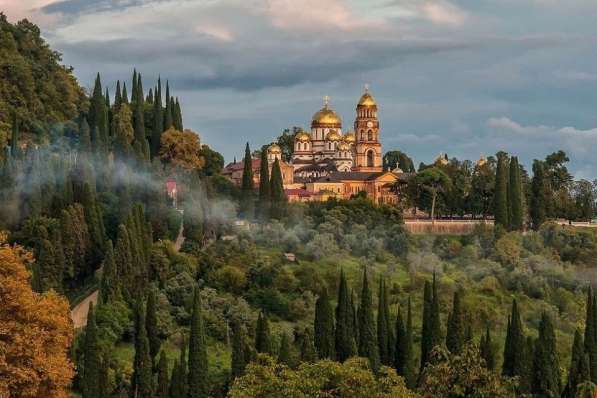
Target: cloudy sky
[464,77]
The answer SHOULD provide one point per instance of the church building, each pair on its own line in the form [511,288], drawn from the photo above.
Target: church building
[328,162]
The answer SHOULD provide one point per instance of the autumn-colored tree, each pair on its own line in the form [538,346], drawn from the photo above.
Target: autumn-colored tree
[35,335]
[181,149]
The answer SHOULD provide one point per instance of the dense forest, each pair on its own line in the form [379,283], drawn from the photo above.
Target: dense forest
[220,290]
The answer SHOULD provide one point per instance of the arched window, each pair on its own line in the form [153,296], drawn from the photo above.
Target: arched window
[370,135]
[370,157]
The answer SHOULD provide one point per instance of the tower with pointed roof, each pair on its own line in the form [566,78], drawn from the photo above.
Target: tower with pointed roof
[368,155]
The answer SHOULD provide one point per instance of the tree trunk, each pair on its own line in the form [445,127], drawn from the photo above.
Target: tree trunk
[433,208]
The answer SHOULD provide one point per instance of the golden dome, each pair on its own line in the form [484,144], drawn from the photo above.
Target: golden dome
[274,148]
[349,138]
[333,136]
[343,146]
[482,161]
[326,115]
[441,160]
[302,136]
[367,99]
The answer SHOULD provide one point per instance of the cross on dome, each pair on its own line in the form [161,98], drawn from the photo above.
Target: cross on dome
[326,101]
[366,87]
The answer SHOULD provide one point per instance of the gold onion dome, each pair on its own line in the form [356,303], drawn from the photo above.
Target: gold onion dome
[367,99]
[326,115]
[333,136]
[482,161]
[302,136]
[349,138]
[274,148]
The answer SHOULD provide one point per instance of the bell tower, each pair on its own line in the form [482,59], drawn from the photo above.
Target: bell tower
[368,156]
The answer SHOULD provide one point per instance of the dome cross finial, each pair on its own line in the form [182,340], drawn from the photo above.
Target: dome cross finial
[326,100]
[366,87]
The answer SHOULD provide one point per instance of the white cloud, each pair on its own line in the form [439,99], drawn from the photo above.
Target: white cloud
[443,13]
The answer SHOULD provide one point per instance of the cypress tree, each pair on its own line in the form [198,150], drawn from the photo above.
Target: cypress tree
[263,342]
[149,98]
[590,345]
[177,116]
[109,285]
[516,351]
[239,360]
[158,120]
[15,149]
[546,372]
[162,386]
[197,373]
[151,324]
[344,331]
[91,358]
[178,381]
[168,118]
[324,327]
[486,350]
[98,112]
[125,98]
[579,371]
[515,199]
[308,352]
[142,381]
[284,354]
[246,203]
[277,196]
[134,88]
[103,380]
[403,358]
[455,331]
[539,195]
[367,334]
[117,97]
[264,185]
[383,336]
[500,200]
[426,337]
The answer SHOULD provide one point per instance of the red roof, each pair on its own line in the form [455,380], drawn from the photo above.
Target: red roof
[300,192]
[171,186]
[231,167]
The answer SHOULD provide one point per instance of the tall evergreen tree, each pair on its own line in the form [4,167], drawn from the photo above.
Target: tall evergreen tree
[158,120]
[117,97]
[15,149]
[197,374]
[84,137]
[178,381]
[324,327]
[590,343]
[162,386]
[308,351]
[539,195]
[142,380]
[344,331]
[125,98]
[515,196]
[455,331]
[403,357]
[277,196]
[383,326]
[168,117]
[109,285]
[516,361]
[367,334]
[263,343]
[579,371]
[264,187]
[98,112]
[177,116]
[91,358]
[151,324]
[500,199]
[426,333]
[239,360]
[246,203]
[486,350]
[546,370]
[284,353]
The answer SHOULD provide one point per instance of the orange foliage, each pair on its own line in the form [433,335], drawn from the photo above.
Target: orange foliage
[181,149]
[35,332]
